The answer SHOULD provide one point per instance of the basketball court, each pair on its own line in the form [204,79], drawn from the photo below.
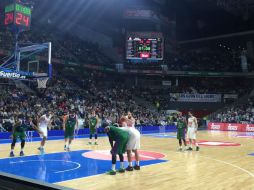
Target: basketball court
[225,161]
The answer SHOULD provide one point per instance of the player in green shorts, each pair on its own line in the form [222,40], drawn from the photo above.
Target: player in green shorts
[69,128]
[93,125]
[181,127]
[118,139]
[18,132]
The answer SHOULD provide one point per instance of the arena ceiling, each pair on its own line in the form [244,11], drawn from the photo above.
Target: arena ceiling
[194,18]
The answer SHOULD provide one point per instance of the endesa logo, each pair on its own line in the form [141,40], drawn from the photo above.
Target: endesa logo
[249,128]
[232,127]
[215,126]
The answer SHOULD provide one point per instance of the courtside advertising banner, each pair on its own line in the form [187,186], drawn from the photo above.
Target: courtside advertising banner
[231,127]
[181,97]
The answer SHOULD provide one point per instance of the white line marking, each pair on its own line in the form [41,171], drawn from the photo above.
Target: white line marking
[227,163]
[233,165]
[61,171]
[105,173]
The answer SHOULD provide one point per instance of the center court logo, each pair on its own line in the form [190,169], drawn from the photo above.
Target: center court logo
[105,155]
[217,143]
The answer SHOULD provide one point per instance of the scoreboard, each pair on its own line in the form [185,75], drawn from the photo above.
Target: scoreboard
[147,46]
[18,15]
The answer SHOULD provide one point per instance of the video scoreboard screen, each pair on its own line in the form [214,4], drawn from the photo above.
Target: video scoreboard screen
[144,45]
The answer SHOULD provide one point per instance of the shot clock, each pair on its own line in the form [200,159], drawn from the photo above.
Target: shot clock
[18,16]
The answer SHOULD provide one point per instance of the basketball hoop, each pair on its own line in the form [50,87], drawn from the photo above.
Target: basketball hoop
[42,82]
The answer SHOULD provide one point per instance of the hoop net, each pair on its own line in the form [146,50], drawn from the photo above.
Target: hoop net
[42,82]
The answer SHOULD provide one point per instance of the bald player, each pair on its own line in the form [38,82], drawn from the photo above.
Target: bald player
[192,128]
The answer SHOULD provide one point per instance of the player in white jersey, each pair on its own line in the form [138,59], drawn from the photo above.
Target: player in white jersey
[128,124]
[192,128]
[43,124]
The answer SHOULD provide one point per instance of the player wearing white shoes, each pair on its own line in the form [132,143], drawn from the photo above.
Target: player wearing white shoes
[43,124]
[128,124]
[192,128]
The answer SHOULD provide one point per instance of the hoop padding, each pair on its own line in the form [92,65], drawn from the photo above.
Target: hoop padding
[42,82]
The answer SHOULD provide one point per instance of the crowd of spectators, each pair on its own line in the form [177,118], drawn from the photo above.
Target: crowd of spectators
[205,59]
[62,95]
[164,95]
[236,114]
[66,48]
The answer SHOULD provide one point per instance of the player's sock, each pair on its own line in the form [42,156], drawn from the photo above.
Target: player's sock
[137,167]
[121,165]
[122,169]
[130,164]
[113,167]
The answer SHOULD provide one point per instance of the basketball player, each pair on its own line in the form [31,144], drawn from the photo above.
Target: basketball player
[18,131]
[181,126]
[69,128]
[130,120]
[118,140]
[133,142]
[192,131]
[43,124]
[93,125]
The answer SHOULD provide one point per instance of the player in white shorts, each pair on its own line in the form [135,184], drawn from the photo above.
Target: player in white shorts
[128,124]
[192,128]
[43,124]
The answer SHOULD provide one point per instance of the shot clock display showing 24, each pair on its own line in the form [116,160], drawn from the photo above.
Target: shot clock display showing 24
[18,15]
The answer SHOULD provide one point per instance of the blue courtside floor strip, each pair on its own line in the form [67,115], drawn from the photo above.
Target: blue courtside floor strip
[159,135]
[146,133]
[58,167]
[6,141]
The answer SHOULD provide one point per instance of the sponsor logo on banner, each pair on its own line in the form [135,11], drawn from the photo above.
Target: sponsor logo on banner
[181,97]
[11,75]
[232,127]
[231,96]
[249,128]
[215,126]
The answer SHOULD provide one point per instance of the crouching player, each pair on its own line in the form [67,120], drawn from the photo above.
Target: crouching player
[118,140]
[133,143]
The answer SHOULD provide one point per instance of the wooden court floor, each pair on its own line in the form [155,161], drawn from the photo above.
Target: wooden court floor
[213,168]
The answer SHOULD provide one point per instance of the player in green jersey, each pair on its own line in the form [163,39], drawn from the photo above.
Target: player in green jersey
[19,132]
[93,125]
[69,128]
[118,139]
[181,127]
